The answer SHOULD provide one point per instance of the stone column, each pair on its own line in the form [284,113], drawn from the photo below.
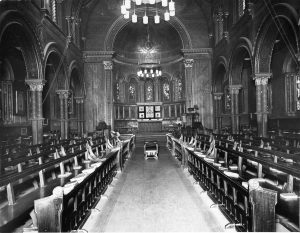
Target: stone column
[261,83]
[36,88]
[218,111]
[79,114]
[108,66]
[63,103]
[188,64]
[235,119]
[68,18]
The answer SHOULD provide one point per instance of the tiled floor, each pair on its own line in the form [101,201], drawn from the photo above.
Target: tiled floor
[150,196]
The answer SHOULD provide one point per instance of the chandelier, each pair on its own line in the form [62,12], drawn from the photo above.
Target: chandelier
[149,71]
[167,6]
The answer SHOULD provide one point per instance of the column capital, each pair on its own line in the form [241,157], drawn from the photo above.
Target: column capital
[63,94]
[79,100]
[234,89]
[35,84]
[218,95]
[108,65]
[262,78]
[188,63]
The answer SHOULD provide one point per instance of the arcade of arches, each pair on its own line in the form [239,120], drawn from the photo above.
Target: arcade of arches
[68,66]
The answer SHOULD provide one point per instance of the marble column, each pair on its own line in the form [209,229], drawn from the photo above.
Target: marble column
[235,119]
[63,103]
[36,88]
[261,83]
[218,111]
[188,64]
[108,66]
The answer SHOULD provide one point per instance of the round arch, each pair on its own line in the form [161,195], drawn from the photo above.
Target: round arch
[50,49]
[220,73]
[120,22]
[75,69]
[241,53]
[267,35]
[31,45]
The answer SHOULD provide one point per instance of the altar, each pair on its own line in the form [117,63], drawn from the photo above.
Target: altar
[150,126]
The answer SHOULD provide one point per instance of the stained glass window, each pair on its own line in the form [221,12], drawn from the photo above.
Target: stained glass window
[132,92]
[149,90]
[298,92]
[166,91]
[117,96]
[178,89]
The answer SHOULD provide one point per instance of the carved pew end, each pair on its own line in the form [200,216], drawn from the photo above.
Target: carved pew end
[215,205]
[231,225]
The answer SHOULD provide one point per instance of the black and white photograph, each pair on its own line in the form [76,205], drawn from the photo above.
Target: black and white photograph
[149,116]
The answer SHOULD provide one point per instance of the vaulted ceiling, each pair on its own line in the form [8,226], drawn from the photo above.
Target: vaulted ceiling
[100,16]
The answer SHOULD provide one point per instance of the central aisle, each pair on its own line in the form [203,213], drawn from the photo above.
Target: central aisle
[152,195]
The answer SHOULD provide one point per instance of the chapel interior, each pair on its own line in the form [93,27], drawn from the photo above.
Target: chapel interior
[149,115]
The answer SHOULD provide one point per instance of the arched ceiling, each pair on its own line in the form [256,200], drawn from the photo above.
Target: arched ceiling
[132,40]
[99,15]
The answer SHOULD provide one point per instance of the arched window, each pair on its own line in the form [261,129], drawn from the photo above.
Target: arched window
[149,92]
[178,89]
[132,90]
[117,92]
[166,90]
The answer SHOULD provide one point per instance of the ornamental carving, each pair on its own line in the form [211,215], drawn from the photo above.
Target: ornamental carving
[63,94]
[35,84]
[188,63]
[234,89]
[262,79]
[108,65]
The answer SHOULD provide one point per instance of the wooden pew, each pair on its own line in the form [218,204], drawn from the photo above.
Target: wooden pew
[230,194]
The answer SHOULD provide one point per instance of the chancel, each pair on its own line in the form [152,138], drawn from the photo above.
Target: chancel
[149,115]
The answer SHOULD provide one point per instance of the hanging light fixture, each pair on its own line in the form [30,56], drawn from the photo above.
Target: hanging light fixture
[148,68]
[145,19]
[168,7]
[149,71]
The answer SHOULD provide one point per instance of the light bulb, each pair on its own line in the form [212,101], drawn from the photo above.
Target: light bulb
[164,3]
[152,2]
[128,4]
[153,75]
[159,73]
[172,6]
[147,75]
[123,9]
[151,71]
[126,15]
[134,18]
[172,13]
[145,71]
[156,19]
[138,2]
[167,16]
[145,19]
